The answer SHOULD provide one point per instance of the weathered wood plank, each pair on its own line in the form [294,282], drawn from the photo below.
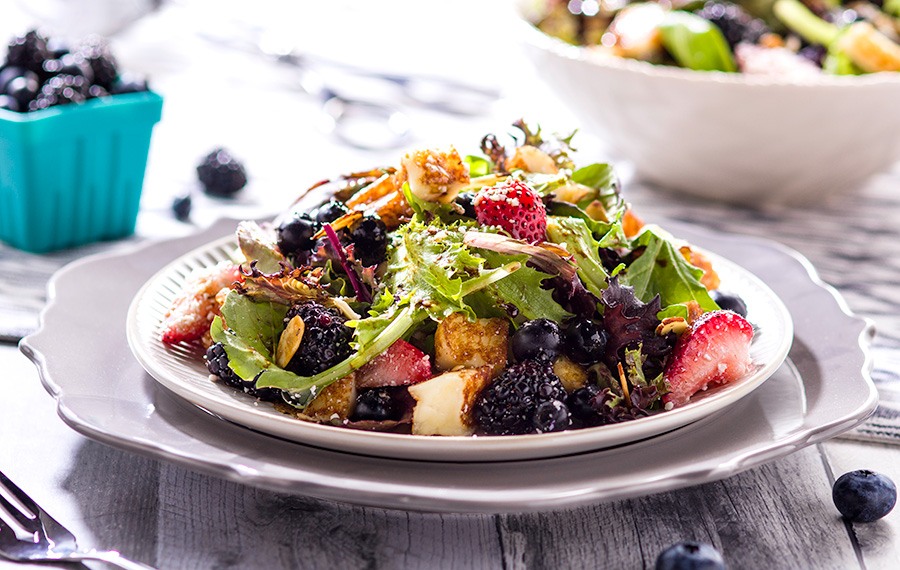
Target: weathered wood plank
[775,516]
[210,523]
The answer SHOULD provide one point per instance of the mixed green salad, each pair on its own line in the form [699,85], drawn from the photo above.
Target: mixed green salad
[772,37]
[503,293]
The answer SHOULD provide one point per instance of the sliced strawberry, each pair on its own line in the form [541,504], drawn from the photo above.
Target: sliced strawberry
[716,350]
[400,365]
[195,307]
[515,207]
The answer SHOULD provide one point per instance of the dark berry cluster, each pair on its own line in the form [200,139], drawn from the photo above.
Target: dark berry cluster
[526,398]
[221,174]
[217,364]
[325,342]
[296,234]
[581,339]
[736,24]
[38,73]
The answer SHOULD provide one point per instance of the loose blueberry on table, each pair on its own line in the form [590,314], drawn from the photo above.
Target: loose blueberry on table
[864,496]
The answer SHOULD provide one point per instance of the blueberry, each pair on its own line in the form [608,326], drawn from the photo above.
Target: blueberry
[539,338]
[551,415]
[23,89]
[375,404]
[69,64]
[330,211]
[580,403]
[466,201]
[584,341]
[129,83]
[8,103]
[295,235]
[863,495]
[369,237]
[10,72]
[181,207]
[690,556]
[730,302]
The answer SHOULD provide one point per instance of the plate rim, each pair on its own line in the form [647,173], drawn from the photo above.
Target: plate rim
[296,478]
[442,448]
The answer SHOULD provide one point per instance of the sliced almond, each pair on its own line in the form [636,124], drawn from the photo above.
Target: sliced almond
[289,341]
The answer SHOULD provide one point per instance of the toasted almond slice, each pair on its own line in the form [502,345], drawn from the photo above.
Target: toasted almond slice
[289,341]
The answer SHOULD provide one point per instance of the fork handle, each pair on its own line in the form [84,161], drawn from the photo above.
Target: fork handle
[111,557]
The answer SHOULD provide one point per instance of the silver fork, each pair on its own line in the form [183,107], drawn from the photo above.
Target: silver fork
[39,538]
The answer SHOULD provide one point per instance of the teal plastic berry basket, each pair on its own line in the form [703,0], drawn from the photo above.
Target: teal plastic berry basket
[73,174]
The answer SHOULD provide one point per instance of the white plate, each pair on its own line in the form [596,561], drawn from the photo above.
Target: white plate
[181,369]
[84,361]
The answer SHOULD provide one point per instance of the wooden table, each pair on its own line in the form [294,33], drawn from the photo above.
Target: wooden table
[776,516]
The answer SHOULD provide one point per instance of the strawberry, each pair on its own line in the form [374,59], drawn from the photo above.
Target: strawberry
[195,306]
[715,350]
[515,207]
[400,365]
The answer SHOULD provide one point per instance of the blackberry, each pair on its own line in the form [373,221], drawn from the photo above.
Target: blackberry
[369,237]
[221,174]
[509,404]
[736,24]
[96,53]
[217,364]
[28,51]
[325,342]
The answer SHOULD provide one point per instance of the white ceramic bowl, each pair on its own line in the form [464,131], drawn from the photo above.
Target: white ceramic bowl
[745,139]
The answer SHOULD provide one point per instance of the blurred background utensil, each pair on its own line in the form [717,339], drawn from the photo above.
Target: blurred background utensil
[29,534]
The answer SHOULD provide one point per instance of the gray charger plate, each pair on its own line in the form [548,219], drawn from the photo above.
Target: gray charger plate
[83,357]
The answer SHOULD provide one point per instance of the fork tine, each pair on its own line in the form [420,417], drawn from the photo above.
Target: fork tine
[31,523]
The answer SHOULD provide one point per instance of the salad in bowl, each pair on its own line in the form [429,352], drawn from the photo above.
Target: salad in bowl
[788,38]
[506,293]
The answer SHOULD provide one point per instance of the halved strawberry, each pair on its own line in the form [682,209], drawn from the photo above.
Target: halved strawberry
[515,207]
[194,308]
[716,350]
[400,365]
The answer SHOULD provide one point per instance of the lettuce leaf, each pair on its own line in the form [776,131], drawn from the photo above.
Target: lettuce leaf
[662,270]
[575,236]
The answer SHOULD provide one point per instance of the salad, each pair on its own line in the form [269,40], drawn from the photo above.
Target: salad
[504,293]
[793,38]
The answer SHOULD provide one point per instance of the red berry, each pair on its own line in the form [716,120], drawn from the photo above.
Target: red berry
[400,365]
[514,207]
[716,350]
